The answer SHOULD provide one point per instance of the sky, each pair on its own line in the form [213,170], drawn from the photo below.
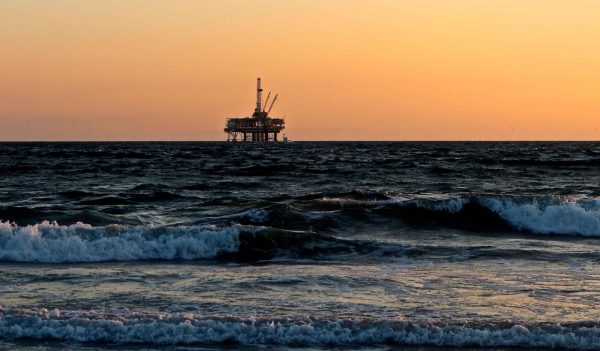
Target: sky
[344,69]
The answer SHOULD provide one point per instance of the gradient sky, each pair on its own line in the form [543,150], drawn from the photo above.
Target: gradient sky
[344,69]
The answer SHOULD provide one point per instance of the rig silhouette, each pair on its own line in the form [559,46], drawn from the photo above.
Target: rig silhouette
[259,127]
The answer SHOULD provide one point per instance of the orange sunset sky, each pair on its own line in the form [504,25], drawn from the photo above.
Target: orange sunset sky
[344,69]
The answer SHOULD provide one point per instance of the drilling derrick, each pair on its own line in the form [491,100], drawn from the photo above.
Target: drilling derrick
[258,97]
[259,127]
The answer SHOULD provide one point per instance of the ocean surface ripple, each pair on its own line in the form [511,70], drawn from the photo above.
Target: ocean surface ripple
[303,244]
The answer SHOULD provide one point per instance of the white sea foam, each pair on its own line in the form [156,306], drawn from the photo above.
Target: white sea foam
[187,328]
[568,217]
[558,216]
[53,243]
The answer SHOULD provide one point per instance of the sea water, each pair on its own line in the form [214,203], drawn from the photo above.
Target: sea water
[304,245]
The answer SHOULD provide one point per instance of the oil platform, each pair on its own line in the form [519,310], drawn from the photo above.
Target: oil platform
[259,127]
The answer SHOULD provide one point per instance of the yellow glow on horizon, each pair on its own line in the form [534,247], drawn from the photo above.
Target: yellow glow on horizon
[344,69]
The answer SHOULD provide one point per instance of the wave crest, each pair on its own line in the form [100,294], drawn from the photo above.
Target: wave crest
[541,215]
[53,243]
[570,217]
[188,328]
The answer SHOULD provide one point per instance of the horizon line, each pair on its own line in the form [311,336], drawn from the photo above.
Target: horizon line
[301,141]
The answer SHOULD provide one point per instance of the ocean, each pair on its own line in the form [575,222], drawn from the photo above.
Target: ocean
[300,245]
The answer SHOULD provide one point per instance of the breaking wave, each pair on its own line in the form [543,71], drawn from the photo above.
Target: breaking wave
[551,215]
[281,230]
[53,243]
[543,216]
[570,217]
[189,328]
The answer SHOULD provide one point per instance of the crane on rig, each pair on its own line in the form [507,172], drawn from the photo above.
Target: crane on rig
[272,103]
[259,127]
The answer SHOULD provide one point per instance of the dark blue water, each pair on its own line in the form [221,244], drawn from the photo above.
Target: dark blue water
[299,245]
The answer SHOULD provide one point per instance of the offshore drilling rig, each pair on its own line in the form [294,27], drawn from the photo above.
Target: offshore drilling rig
[259,127]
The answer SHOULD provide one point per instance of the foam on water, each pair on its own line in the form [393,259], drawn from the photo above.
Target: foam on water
[50,242]
[53,243]
[562,218]
[567,217]
[188,328]
[551,216]
[419,255]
